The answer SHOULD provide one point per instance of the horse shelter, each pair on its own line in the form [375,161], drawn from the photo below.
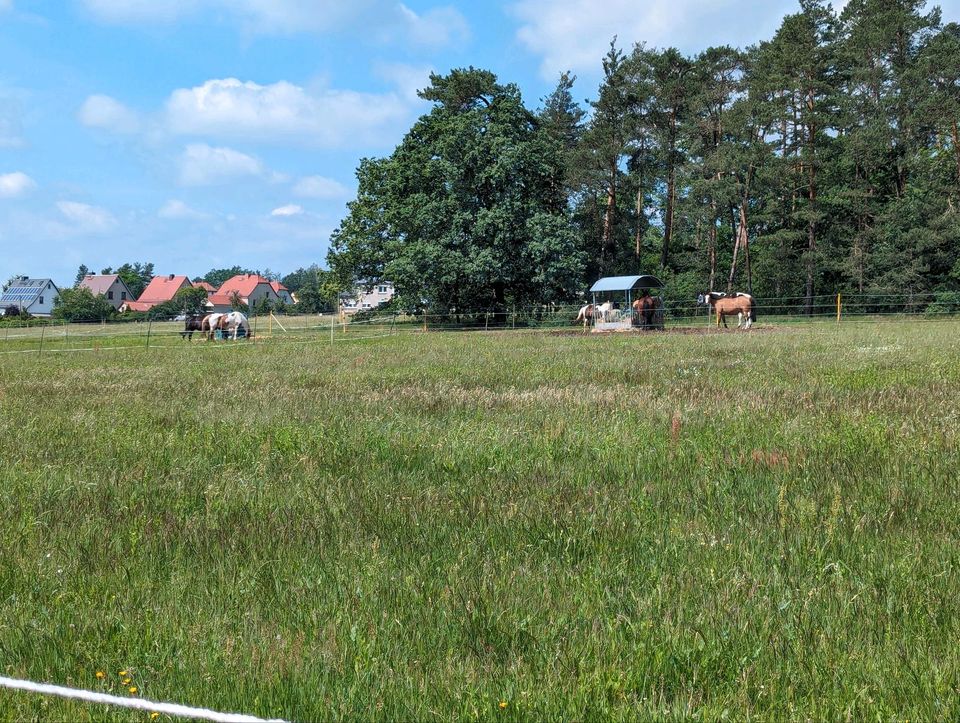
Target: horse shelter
[621,292]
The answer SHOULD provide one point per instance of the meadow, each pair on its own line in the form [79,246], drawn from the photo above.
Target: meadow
[492,526]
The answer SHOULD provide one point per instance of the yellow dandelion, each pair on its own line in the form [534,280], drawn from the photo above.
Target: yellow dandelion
[101,675]
[154,715]
[132,689]
[122,673]
[127,681]
[503,704]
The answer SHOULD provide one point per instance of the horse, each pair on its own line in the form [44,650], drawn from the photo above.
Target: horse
[645,309]
[737,303]
[233,322]
[606,311]
[191,324]
[209,324]
[586,315]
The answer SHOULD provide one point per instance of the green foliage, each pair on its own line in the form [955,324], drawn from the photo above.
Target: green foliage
[216,277]
[460,214]
[135,275]
[82,305]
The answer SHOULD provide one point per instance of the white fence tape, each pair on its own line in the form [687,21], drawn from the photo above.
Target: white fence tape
[183,711]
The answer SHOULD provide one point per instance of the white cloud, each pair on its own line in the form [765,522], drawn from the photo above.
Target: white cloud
[386,19]
[291,209]
[178,210]
[106,113]
[406,79]
[203,165]
[6,5]
[322,188]
[575,34]
[283,113]
[15,184]
[86,218]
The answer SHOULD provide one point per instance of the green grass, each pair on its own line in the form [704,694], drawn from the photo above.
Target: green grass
[422,526]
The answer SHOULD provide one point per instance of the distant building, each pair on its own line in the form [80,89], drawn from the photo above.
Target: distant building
[109,286]
[251,289]
[208,287]
[360,298]
[160,289]
[34,296]
[282,292]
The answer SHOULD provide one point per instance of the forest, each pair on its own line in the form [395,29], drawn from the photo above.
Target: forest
[825,159]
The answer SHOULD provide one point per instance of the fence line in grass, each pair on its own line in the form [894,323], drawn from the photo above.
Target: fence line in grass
[89,696]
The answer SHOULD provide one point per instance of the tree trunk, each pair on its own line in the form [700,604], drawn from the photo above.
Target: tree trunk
[811,228]
[638,237]
[736,250]
[671,191]
[745,242]
[608,216]
[712,251]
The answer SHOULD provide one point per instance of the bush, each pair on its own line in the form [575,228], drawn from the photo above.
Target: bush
[944,303]
[82,305]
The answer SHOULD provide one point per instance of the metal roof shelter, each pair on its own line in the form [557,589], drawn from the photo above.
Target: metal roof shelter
[619,289]
[626,283]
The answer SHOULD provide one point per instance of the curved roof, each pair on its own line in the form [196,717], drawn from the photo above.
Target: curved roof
[626,283]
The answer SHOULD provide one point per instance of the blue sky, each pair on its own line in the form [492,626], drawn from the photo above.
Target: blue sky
[206,133]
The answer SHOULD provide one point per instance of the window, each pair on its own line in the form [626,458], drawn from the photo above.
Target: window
[110,295]
[41,299]
[382,289]
[123,295]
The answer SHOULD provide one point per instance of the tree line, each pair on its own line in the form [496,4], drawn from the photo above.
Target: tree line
[825,159]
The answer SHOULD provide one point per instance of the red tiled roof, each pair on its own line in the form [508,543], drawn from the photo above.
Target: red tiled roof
[278,287]
[98,283]
[137,305]
[205,285]
[242,284]
[220,299]
[163,288]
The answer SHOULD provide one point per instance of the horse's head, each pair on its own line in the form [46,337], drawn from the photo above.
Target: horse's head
[702,299]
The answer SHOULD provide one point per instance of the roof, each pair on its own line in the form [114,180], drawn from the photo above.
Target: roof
[243,284]
[210,288]
[626,283]
[137,305]
[24,291]
[278,287]
[163,288]
[219,299]
[99,283]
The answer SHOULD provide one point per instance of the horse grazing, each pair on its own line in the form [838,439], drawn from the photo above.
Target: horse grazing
[645,309]
[737,303]
[209,325]
[191,324]
[606,311]
[233,323]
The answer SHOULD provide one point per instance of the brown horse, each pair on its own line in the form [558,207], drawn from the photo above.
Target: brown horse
[737,303]
[586,315]
[191,324]
[645,311]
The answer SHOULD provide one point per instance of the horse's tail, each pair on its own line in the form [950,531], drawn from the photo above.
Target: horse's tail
[753,310]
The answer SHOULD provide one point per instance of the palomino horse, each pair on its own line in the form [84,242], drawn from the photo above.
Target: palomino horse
[646,308]
[723,306]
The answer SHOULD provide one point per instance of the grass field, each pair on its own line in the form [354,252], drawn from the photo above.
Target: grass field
[495,526]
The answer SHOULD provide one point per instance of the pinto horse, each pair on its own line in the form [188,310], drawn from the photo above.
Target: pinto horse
[209,325]
[737,303]
[586,315]
[645,308]
[234,322]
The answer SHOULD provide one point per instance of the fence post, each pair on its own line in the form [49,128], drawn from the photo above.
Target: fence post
[149,329]
[424,318]
[40,351]
[333,326]
[838,307]
[513,317]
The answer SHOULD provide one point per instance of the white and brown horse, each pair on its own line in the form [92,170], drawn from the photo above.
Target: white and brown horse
[737,303]
[594,312]
[645,310]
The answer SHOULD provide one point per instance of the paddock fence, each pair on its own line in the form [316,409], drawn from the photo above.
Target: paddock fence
[38,337]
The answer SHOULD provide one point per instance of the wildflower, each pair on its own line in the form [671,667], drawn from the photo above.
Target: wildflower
[503,704]
[122,674]
[127,681]
[154,715]
[100,675]
[132,689]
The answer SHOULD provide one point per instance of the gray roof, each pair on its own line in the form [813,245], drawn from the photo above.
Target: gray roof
[24,291]
[626,283]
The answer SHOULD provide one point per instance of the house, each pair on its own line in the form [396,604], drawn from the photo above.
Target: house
[159,290]
[109,286]
[34,296]
[251,289]
[206,286]
[362,298]
[282,292]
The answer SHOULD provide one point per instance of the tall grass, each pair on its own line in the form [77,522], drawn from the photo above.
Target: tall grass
[493,526]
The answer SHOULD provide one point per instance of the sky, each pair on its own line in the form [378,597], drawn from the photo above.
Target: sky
[200,134]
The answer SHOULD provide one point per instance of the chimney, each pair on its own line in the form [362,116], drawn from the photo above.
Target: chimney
[171,276]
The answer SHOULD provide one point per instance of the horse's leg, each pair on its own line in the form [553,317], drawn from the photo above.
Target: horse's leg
[739,319]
